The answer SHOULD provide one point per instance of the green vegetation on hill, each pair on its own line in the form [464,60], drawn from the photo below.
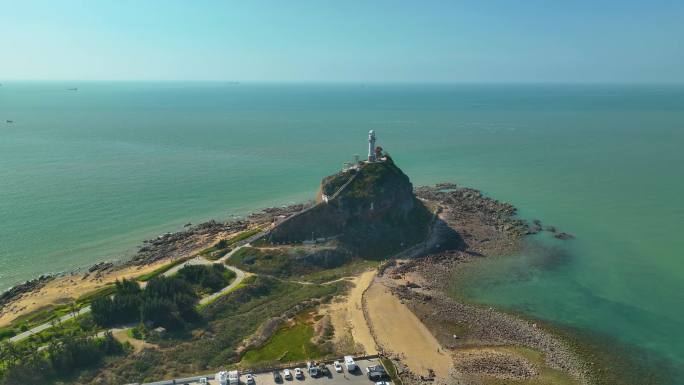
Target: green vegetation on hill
[288,344]
[391,371]
[213,345]
[347,270]
[25,364]
[162,270]
[52,313]
[223,246]
[37,317]
[375,216]
[276,262]
[166,301]
[207,278]
[289,261]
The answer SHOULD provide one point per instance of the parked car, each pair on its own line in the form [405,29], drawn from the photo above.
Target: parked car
[338,366]
[203,381]
[312,368]
[287,374]
[277,377]
[376,373]
[323,370]
[299,373]
[383,383]
[249,379]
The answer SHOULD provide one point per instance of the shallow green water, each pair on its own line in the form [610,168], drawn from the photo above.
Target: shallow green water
[86,175]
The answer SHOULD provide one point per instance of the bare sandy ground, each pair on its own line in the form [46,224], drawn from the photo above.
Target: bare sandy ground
[67,289]
[347,316]
[399,331]
[122,336]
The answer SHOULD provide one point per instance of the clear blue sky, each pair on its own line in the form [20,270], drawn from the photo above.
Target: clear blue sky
[344,40]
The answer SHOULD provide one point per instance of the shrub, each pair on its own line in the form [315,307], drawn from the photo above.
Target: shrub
[59,360]
[166,301]
[207,278]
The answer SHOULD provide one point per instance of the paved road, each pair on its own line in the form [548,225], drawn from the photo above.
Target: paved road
[240,275]
[358,377]
[48,325]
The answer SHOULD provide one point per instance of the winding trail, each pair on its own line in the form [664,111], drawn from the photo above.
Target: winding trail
[239,277]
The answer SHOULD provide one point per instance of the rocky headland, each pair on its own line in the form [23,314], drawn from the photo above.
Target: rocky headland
[372,212]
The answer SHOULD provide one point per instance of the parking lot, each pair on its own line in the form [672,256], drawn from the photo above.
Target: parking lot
[344,378]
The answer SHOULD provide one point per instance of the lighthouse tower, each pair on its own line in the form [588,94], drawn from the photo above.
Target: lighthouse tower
[371,146]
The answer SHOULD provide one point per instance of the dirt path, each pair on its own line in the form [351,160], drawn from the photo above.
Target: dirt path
[347,317]
[360,329]
[399,330]
[122,336]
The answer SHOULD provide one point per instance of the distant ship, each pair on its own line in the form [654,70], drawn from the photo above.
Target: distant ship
[10,121]
[72,89]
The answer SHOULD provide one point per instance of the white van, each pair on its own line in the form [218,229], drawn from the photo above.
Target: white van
[233,377]
[349,363]
[222,378]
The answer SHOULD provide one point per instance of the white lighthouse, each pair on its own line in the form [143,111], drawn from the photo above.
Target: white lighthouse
[371,146]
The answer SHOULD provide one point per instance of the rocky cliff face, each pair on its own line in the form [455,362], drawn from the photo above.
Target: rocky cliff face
[375,215]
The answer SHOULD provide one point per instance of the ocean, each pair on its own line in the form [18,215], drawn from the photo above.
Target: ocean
[86,175]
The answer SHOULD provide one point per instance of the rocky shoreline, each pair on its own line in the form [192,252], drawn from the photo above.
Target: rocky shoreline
[487,228]
[469,225]
[29,286]
[463,206]
[166,246]
[482,326]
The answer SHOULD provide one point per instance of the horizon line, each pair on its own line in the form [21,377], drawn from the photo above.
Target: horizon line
[352,82]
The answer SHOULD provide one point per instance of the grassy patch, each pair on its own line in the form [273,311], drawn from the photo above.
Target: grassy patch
[104,291]
[67,329]
[391,370]
[244,235]
[289,344]
[137,333]
[353,268]
[277,262]
[37,317]
[234,316]
[8,332]
[221,247]
[287,261]
[212,345]
[207,279]
[51,313]
[42,315]
[245,282]
[215,252]
[163,269]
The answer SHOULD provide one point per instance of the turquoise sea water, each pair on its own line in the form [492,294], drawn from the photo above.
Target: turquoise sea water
[87,175]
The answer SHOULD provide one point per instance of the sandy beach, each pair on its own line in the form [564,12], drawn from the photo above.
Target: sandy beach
[67,289]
